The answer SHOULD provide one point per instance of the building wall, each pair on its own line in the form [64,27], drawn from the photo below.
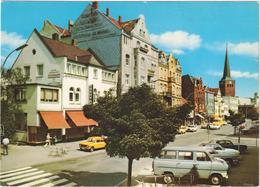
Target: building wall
[227,87]
[93,30]
[209,103]
[231,102]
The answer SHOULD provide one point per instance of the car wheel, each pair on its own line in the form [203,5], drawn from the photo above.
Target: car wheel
[215,179]
[91,149]
[168,178]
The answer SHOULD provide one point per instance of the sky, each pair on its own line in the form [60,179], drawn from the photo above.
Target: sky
[197,33]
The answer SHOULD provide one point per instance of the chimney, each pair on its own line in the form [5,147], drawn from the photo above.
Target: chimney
[95,4]
[55,36]
[119,19]
[73,42]
[70,25]
[107,12]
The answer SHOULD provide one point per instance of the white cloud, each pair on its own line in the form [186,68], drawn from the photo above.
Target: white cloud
[11,40]
[236,74]
[177,41]
[242,48]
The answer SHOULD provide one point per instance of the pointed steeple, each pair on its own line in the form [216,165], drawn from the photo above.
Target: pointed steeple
[226,73]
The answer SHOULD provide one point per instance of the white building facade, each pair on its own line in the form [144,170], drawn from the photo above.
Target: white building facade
[125,45]
[63,78]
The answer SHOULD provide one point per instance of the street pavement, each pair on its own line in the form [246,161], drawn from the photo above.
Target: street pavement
[67,162]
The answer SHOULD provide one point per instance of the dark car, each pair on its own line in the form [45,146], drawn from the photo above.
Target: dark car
[254,129]
[231,145]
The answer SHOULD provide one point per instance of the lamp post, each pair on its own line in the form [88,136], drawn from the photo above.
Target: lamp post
[17,49]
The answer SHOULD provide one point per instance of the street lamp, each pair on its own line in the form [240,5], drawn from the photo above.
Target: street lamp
[17,49]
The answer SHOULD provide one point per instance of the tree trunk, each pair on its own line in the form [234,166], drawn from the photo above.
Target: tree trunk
[235,130]
[129,177]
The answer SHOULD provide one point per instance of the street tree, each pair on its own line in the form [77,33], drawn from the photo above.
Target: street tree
[236,119]
[11,81]
[137,123]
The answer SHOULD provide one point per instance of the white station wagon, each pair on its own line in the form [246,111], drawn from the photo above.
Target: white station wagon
[178,162]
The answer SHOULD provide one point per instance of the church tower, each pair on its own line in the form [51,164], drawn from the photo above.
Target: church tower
[227,84]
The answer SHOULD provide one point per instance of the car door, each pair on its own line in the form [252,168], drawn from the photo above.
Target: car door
[167,162]
[203,164]
[185,162]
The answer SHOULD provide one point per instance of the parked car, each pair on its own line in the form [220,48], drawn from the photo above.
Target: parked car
[192,128]
[230,155]
[182,129]
[179,161]
[254,129]
[229,144]
[92,143]
[214,126]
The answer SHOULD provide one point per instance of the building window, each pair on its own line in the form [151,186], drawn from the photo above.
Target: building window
[20,95]
[40,70]
[127,79]
[138,44]
[68,68]
[71,93]
[83,71]
[77,95]
[125,40]
[127,59]
[27,71]
[95,73]
[49,95]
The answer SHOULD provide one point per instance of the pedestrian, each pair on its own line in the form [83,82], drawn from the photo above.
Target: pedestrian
[48,140]
[5,146]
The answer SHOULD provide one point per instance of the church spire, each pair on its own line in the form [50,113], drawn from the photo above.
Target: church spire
[226,73]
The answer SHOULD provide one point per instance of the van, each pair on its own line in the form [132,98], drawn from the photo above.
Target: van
[176,162]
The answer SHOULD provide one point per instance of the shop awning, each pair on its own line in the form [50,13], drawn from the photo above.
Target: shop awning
[80,120]
[199,116]
[54,120]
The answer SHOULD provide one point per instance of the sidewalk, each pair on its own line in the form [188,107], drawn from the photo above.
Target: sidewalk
[25,155]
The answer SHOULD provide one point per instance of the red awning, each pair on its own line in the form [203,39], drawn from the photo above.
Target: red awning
[80,120]
[54,120]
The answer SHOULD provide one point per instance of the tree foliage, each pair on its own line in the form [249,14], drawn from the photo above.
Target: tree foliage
[236,119]
[137,123]
[11,81]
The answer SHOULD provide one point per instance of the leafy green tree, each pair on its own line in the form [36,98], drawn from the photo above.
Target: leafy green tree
[11,81]
[236,119]
[137,123]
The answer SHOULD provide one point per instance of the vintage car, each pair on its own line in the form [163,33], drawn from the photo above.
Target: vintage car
[229,144]
[192,128]
[176,162]
[92,143]
[230,155]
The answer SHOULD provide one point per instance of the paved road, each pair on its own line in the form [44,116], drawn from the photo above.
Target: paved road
[100,170]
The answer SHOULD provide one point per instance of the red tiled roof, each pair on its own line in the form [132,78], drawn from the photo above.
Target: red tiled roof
[63,31]
[80,120]
[60,49]
[214,90]
[129,25]
[54,120]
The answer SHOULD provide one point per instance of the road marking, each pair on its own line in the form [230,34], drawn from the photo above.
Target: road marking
[40,181]
[6,172]
[54,183]
[17,173]
[28,179]
[21,176]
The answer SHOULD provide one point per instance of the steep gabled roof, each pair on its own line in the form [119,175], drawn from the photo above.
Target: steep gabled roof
[63,31]
[127,26]
[214,90]
[73,53]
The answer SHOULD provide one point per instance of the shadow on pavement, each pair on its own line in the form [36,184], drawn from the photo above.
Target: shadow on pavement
[85,178]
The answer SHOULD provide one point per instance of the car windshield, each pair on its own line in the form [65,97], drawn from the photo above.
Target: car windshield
[90,139]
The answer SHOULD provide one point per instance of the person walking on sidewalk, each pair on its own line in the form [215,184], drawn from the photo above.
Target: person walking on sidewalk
[5,146]
[48,140]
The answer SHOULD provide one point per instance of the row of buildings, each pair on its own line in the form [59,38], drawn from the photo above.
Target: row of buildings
[71,67]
